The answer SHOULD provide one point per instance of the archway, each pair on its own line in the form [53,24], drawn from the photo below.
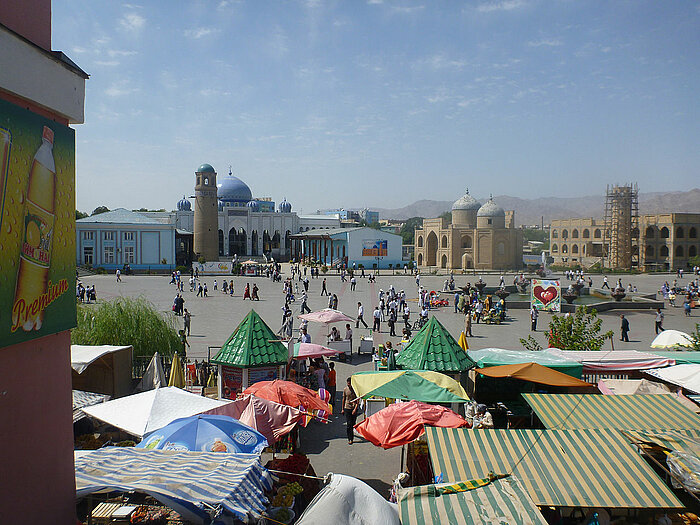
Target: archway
[420,259]
[267,242]
[649,232]
[597,233]
[443,262]
[586,233]
[444,241]
[467,262]
[574,248]
[574,234]
[466,241]
[276,240]
[420,241]
[664,233]
[237,242]
[431,250]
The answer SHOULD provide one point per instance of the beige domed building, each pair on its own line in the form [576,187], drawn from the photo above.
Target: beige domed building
[479,237]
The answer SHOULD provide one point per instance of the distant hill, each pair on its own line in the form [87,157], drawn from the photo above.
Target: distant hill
[531,211]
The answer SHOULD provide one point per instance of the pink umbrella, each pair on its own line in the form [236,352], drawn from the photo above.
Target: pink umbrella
[326,316]
[272,420]
[305,350]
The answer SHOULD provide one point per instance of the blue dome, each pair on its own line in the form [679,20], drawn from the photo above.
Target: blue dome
[232,190]
[220,206]
[184,205]
[254,206]
[205,168]
[285,207]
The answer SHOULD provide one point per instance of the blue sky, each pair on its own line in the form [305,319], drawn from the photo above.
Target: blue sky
[381,103]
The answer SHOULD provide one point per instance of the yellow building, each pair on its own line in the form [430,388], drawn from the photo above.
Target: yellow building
[480,237]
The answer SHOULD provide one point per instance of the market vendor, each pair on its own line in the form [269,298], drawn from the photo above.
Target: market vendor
[482,418]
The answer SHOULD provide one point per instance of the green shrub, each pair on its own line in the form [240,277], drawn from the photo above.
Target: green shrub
[127,321]
[182,269]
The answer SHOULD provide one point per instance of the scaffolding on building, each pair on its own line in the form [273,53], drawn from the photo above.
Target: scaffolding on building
[622,226]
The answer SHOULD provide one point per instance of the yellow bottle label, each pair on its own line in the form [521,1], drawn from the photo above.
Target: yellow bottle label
[38,234]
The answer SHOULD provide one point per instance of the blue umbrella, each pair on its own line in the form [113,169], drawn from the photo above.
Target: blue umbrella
[205,433]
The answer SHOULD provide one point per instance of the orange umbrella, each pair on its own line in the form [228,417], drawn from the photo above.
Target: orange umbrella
[401,423]
[534,373]
[290,394]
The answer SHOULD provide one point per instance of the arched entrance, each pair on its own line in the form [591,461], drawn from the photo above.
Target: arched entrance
[431,250]
[420,259]
[267,242]
[237,242]
[443,262]
[467,262]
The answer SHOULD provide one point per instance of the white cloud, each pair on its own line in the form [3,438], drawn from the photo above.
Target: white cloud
[200,32]
[549,42]
[407,10]
[121,53]
[502,5]
[78,49]
[375,2]
[110,63]
[120,89]
[132,22]
[442,62]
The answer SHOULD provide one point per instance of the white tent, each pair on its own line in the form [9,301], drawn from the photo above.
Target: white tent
[685,376]
[82,356]
[154,376]
[349,501]
[141,413]
[671,339]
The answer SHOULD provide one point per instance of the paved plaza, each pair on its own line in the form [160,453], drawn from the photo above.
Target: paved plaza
[216,316]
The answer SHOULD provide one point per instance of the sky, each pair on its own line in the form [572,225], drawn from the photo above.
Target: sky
[379,103]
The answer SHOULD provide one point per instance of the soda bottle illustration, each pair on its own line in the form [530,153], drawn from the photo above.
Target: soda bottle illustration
[35,253]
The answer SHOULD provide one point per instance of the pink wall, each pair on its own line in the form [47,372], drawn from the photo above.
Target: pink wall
[29,18]
[36,432]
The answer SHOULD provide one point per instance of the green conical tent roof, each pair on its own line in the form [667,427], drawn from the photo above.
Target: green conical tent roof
[433,348]
[252,344]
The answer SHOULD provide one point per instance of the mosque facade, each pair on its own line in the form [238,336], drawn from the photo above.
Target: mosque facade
[480,237]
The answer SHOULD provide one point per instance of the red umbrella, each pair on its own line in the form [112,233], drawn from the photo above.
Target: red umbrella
[290,394]
[401,423]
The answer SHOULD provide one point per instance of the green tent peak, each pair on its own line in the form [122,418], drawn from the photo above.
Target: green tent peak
[434,348]
[252,344]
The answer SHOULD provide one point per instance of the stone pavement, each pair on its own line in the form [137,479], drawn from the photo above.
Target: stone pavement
[216,316]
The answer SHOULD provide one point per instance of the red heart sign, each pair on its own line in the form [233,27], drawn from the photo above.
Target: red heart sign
[546,296]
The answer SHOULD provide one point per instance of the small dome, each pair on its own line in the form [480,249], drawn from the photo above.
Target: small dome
[220,205]
[205,168]
[232,190]
[491,209]
[253,206]
[466,202]
[184,205]
[285,207]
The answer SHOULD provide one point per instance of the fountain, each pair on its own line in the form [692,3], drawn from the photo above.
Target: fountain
[618,294]
[480,285]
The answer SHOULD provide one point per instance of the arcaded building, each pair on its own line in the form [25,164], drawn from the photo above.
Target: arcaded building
[667,241]
[479,237]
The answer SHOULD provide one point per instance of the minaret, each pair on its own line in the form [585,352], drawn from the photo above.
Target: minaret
[206,215]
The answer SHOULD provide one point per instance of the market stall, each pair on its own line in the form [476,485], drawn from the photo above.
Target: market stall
[252,353]
[686,376]
[104,369]
[620,363]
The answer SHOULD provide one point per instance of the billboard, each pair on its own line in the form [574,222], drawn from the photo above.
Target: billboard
[374,248]
[37,226]
[546,295]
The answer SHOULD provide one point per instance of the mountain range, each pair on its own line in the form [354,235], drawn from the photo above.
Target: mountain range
[544,209]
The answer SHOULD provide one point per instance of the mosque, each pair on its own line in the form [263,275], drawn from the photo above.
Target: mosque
[480,237]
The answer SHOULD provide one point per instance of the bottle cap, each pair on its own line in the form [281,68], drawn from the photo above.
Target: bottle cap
[47,134]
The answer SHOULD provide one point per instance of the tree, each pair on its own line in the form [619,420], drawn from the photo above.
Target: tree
[80,215]
[694,261]
[694,339]
[100,209]
[580,331]
[408,229]
[127,321]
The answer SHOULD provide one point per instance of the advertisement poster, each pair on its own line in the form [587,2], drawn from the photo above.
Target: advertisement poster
[374,248]
[268,373]
[213,268]
[37,226]
[232,381]
[546,295]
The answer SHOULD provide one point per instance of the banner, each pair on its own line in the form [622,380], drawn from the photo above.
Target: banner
[374,248]
[37,226]
[546,295]
[232,381]
[213,268]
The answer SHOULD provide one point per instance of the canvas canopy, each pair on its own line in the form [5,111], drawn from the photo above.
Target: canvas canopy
[189,482]
[533,373]
[82,356]
[559,468]
[685,376]
[420,385]
[85,399]
[671,339]
[147,411]
[252,344]
[603,361]
[500,501]
[678,440]
[680,357]
[433,348]
[498,356]
[349,501]
[635,412]
[154,376]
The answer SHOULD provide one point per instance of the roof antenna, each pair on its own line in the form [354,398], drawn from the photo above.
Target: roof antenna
[229,170]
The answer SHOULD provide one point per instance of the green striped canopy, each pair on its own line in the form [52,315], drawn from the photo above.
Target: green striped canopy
[503,501]
[678,440]
[559,468]
[622,412]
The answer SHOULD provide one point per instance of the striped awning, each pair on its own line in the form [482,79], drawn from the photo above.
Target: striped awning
[501,501]
[560,468]
[625,412]
[192,483]
[678,440]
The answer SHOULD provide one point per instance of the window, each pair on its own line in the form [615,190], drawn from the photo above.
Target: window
[87,254]
[692,251]
[444,241]
[586,233]
[108,236]
[129,255]
[664,233]
[596,233]
[466,241]
[663,251]
[108,255]
[554,234]
[555,248]
[679,251]
[574,248]
[574,234]
[490,221]
[650,232]
[693,233]
[88,236]
[420,241]
[679,232]
[564,248]
[128,236]
[565,234]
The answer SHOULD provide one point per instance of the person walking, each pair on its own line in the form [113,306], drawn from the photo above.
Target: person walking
[324,290]
[185,344]
[254,295]
[331,383]
[187,318]
[350,408]
[348,336]
[624,328]
[605,283]
[377,316]
[659,321]
[534,314]
[468,324]
[246,292]
[353,283]
[119,275]
[304,306]
[200,290]
[479,308]
[392,322]
[360,316]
